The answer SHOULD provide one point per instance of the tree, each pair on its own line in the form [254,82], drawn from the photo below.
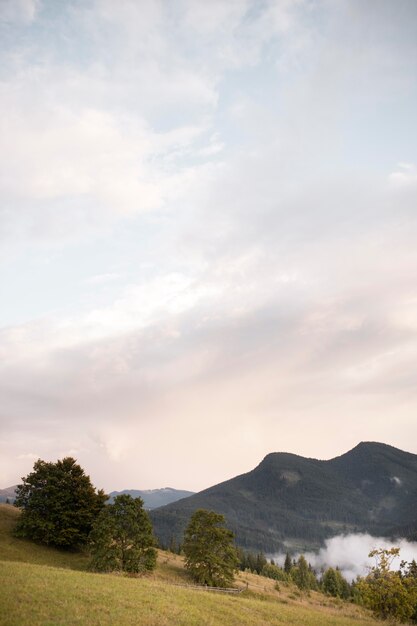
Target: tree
[122,537]
[270,570]
[300,574]
[389,594]
[334,584]
[59,504]
[210,554]
[330,584]
[287,563]
[303,576]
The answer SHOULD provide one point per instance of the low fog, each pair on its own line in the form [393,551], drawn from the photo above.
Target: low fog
[350,553]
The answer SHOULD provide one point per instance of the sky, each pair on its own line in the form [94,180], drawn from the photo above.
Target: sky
[208,227]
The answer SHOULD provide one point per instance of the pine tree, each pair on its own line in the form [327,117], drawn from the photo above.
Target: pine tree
[211,556]
[330,583]
[287,564]
[122,538]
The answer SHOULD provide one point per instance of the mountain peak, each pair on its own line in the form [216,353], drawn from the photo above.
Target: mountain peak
[293,500]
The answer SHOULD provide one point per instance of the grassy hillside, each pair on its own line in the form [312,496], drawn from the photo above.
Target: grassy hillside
[300,501]
[45,587]
[13,549]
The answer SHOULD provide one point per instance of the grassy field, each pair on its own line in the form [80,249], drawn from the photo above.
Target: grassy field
[45,587]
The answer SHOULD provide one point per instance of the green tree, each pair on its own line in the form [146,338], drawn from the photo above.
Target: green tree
[387,593]
[334,584]
[287,563]
[122,537]
[210,554]
[303,576]
[330,584]
[59,504]
[270,570]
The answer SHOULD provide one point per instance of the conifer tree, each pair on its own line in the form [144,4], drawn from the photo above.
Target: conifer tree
[287,563]
[330,583]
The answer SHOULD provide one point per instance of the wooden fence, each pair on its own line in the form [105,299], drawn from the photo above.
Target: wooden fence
[207,588]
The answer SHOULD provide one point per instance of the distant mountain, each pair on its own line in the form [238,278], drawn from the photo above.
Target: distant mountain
[8,494]
[289,501]
[154,498]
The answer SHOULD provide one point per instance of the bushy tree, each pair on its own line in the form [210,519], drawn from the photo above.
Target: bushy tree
[59,504]
[122,537]
[270,570]
[303,576]
[334,584]
[210,554]
[389,594]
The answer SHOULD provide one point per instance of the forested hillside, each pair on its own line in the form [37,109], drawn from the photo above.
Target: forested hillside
[300,501]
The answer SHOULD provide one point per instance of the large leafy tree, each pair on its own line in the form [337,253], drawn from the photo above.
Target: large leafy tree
[122,537]
[211,556]
[390,594]
[59,504]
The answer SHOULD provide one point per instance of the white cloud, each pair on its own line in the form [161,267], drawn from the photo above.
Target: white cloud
[29,455]
[101,279]
[18,10]
[197,230]
[350,553]
[404,176]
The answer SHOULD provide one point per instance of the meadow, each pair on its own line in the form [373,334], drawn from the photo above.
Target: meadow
[42,586]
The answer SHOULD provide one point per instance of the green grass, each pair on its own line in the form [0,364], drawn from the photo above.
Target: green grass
[35,594]
[13,549]
[45,587]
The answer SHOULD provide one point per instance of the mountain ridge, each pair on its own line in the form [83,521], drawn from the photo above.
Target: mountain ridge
[153,498]
[288,499]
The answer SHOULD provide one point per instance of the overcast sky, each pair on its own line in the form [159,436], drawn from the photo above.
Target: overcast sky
[208,234]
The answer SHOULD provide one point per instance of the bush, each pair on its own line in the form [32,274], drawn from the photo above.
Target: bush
[273,571]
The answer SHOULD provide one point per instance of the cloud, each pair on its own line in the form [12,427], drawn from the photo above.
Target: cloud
[201,235]
[350,553]
[13,11]
[404,176]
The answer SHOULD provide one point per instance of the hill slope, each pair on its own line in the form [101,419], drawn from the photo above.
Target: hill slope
[299,501]
[56,592]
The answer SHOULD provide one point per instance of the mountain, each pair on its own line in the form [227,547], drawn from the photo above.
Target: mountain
[154,498]
[289,501]
[8,494]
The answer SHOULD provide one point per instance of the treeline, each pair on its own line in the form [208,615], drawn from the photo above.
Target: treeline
[299,572]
